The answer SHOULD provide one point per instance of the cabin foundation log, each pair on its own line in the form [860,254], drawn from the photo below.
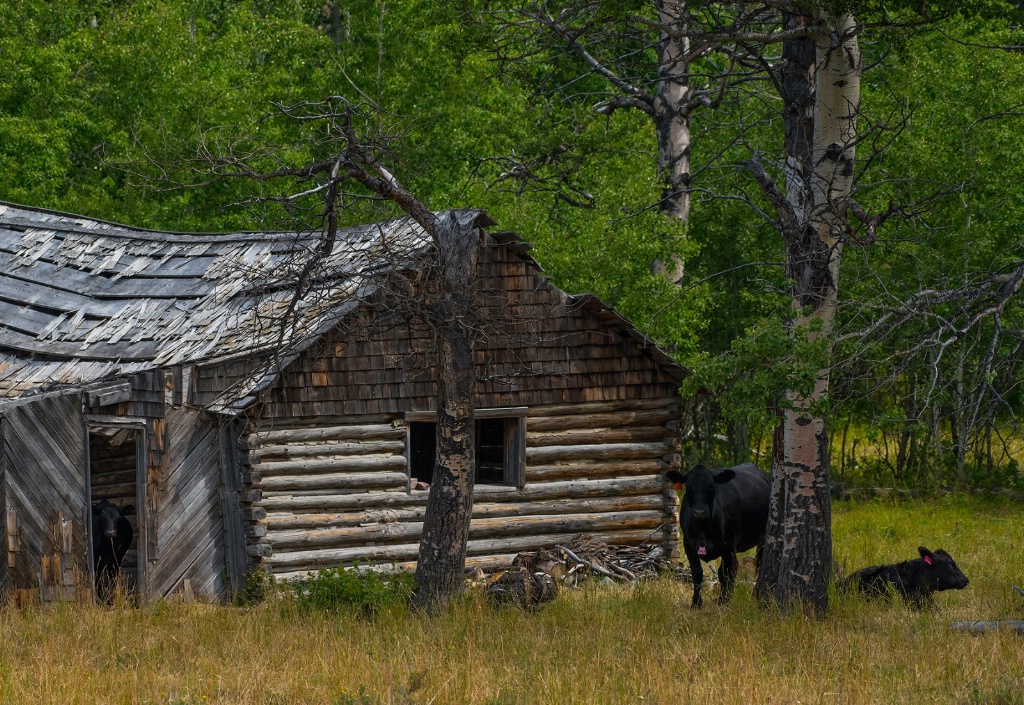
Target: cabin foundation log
[318,559]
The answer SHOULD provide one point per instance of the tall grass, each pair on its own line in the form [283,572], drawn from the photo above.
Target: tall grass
[601,644]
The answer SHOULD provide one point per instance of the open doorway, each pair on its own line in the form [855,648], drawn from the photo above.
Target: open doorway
[114,453]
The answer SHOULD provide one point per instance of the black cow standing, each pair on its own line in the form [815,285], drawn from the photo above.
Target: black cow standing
[111,537]
[724,512]
[914,580]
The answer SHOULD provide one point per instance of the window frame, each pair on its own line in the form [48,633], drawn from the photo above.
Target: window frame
[514,441]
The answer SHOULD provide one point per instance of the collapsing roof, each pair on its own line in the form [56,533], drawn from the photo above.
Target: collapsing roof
[83,300]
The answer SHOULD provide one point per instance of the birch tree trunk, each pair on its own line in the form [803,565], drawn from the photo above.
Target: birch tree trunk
[672,112]
[440,568]
[797,560]
[671,116]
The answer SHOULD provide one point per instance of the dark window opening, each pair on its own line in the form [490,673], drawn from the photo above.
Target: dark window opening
[422,447]
[499,451]
[490,452]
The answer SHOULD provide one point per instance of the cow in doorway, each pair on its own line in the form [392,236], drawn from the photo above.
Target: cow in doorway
[724,512]
[111,538]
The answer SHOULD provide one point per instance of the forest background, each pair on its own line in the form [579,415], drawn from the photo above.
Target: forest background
[102,102]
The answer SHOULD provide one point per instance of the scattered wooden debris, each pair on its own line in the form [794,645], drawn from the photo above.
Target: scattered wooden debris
[586,557]
[517,586]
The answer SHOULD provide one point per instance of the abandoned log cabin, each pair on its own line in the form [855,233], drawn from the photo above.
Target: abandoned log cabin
[263,420]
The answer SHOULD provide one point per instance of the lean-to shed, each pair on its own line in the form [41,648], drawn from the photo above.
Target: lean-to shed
[267,409]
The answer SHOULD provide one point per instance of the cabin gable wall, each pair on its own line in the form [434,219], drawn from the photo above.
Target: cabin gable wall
[327,453]
[537,347]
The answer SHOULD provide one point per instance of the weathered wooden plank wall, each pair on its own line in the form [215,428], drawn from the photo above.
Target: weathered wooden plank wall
[336,495]
[45,486]
[185,503]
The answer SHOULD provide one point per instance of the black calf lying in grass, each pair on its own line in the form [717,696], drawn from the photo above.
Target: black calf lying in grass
[914,580]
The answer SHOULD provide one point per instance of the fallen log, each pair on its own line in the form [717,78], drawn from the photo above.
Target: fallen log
[982,627]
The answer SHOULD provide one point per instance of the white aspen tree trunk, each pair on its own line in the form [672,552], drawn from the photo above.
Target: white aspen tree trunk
[672,124]
[798,550]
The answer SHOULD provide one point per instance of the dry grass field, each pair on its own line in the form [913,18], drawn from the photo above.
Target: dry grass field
[596,645]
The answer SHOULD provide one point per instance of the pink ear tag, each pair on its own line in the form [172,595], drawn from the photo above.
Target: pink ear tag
[702,551]
[928,560]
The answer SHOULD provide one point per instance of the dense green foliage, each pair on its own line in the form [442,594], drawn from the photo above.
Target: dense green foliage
[364,592]
[98,97]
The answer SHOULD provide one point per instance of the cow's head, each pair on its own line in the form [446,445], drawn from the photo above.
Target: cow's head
[701,485]
[106,516]
[942,571]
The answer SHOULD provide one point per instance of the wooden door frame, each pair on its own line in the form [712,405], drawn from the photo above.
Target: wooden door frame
[137,424]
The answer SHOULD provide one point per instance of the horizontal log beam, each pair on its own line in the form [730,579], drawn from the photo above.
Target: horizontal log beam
[656,417]
[277,522]
[596,468]
[381,463]
[346,481]
[570,506]
[327,558]
[478,529]
[616,487]
[486,563]
[275,452]
[604,451]
[592,436]
[603,407]
[478,414]
[127,489]
[329,433]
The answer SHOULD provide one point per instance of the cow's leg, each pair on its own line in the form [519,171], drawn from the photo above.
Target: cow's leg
[727,576]
[697,573]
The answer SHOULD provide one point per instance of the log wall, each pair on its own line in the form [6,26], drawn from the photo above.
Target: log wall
[332,492]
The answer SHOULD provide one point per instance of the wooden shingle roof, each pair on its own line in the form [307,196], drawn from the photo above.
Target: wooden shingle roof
[83,300]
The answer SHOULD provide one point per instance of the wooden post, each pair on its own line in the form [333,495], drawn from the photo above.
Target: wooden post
[66,535]
[13,537]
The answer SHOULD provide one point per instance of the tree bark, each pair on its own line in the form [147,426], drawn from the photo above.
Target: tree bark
[796,81]
[672,113]
[672,124]
[797,560]
[442,555]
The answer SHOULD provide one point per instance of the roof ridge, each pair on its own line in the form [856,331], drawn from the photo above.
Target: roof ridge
[220,236]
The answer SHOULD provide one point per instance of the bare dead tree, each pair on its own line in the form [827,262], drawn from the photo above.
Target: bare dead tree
[929,334]
[440,291]
[694,69]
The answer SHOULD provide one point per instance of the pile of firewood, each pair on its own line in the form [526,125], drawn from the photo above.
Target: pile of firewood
[535,575]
